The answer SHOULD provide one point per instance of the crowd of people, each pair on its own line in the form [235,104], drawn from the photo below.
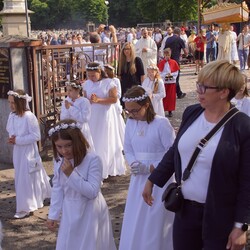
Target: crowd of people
[112,124]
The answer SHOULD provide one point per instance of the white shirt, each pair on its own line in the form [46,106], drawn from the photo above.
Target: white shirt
[242,105]
[163,44]
[196,186]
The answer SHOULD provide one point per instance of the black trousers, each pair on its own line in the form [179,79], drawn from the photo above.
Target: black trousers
[187,230]
[178,88]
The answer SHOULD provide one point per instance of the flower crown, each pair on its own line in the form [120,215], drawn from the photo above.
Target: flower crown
[135,99]
[63,126]
[93,68]
[73,85]
[15,94]
[152,67]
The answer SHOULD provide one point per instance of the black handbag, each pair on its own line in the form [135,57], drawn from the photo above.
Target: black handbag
[172,196]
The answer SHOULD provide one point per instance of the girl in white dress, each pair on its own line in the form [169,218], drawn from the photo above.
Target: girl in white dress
[102,94]
[109,70]
[154,86]
[147,137]
[31,181]
[76,198]
[77,108]
[242,100]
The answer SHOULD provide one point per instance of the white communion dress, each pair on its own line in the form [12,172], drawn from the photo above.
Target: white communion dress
[242,104]
[103,126]
[118,110]
[32,188]
[85,221]
[156,98]
[146,227]
[80,111]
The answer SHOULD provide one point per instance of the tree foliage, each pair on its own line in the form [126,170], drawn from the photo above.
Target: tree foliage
[54,14]
[174,10]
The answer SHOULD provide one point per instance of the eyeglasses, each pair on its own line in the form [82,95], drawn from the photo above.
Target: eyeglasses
[132,111]
[201,88]
[127,49]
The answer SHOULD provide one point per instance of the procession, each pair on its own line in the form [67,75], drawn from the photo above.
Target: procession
[129,138]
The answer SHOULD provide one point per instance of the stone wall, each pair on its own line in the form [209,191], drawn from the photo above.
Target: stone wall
[20,81]
[5,148]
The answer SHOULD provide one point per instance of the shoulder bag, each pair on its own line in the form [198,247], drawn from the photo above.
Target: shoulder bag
[172,197]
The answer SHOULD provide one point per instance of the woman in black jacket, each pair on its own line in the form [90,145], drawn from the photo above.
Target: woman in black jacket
[216,210]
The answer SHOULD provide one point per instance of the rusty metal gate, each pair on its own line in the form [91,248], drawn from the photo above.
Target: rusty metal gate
[51,66]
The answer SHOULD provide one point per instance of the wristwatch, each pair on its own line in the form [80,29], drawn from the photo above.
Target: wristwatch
[242,226]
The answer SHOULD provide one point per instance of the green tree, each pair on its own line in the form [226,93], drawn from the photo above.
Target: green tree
[40,13]
[174,10]
[124,13]
[59,13]
[89,10]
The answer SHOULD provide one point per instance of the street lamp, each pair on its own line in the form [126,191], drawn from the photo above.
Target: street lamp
[107,4]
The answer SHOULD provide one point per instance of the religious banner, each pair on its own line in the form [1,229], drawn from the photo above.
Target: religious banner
[5,73]
[226,13]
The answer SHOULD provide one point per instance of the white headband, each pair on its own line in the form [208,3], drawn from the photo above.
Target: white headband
[73,85]
[63,126]
[135,99]
[26,96]
[93,68]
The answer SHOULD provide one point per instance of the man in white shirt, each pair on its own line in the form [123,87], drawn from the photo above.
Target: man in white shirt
[157,36]
[169,34]
[146,49]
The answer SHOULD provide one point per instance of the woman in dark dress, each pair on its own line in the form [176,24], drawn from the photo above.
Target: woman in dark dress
[130,69]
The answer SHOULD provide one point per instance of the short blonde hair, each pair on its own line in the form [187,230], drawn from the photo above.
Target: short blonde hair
[223,75]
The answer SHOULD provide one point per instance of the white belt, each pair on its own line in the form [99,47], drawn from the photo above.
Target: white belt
[149,156]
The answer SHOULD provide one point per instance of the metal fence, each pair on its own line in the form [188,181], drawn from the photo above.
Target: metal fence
[52,66]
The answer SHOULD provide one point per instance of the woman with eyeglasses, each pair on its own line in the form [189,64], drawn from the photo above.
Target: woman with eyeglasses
[147,137]
[216,207]
[130,68]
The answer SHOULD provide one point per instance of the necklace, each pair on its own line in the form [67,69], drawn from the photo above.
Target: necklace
[141,130]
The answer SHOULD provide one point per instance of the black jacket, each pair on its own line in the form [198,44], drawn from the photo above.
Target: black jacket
[228,197]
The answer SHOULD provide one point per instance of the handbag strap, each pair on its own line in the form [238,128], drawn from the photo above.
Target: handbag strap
[203,142]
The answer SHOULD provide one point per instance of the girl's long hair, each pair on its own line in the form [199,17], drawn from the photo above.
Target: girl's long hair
[157,78]
[20,103]
[79,143]
[123,68]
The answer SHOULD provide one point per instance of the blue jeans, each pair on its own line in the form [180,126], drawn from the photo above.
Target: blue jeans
[243,54]
[210,54]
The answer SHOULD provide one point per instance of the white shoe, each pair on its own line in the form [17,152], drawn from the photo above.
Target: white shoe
[21,215]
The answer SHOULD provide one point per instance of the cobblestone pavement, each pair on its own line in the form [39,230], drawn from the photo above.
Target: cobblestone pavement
[31,233]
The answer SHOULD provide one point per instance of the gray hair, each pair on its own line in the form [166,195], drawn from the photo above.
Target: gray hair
[177,31]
